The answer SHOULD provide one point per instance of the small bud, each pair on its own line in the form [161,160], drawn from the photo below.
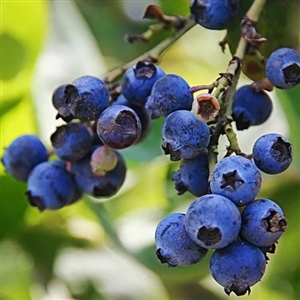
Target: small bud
[103,159]
[205,107]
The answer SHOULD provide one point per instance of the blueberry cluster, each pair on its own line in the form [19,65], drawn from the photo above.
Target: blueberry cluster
[227,215]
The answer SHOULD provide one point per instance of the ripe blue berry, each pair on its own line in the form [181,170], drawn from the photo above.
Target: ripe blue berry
[119,127]
[184,136]
[263,222]
[71,142]
[213,221]
[237,267]
[237,178]
[192,176]
[58,101]
[87,97]
[99,185]
[173,244]
[23,154]
[283,68]
[250,108]
[138,80]
[214,14]
[272,153]
[141,112]
[51,186]
[168,94]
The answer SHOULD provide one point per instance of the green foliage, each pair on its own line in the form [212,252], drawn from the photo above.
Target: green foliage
[31,243]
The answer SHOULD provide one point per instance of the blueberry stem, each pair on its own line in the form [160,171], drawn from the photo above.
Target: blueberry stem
[226,89]
[153,54]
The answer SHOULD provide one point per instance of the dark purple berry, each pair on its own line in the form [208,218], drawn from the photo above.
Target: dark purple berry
[213,221]
[250,108]
[192,176]
[237,267]
[283,68]
[263,222]
[138,80]
[168,94]
[141,112]
[71,142]
[237,178]
[272,153]
[87,97]
[99,185]
[214,14]
[51,186]
[184,136]
[119,127]
[173,244]
[59,102]
[23,154]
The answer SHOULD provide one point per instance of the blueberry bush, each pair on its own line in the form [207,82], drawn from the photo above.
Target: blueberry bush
[150,151]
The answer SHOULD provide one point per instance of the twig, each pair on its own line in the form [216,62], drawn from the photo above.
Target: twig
[152,55]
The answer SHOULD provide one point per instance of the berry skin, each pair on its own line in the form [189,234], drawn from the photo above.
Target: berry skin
[237,178]
[237,267]
[138,80]
[283,68]
[23,154]
[192,176]
[119,127]
[184,136]
[250,108]
[214,14]
[263,222]
[51,186]
[71,142]
[168,94]
[213,221]
[58,101]
[103,185]
[272,153]
[173,244]
[141,112]
[87,97]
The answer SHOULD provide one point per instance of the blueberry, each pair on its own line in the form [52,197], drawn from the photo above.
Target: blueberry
[87,97]
[213,221]
[192,176]
[214,14]
[119,127]
[51,186]
[104,185]
[168,94]
[250,108]
[184,136]
[141,112]
[283,68]
[263,222]
[237,178]
[23,154]
[237,267]
[272,153]
[138,80]
[58,101]
[173,244]
[71,142]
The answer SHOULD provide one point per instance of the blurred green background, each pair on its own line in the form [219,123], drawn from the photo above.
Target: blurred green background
[103,249]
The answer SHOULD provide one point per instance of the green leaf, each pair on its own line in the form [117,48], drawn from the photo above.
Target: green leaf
[15,53]
[289,100]
[13,205]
